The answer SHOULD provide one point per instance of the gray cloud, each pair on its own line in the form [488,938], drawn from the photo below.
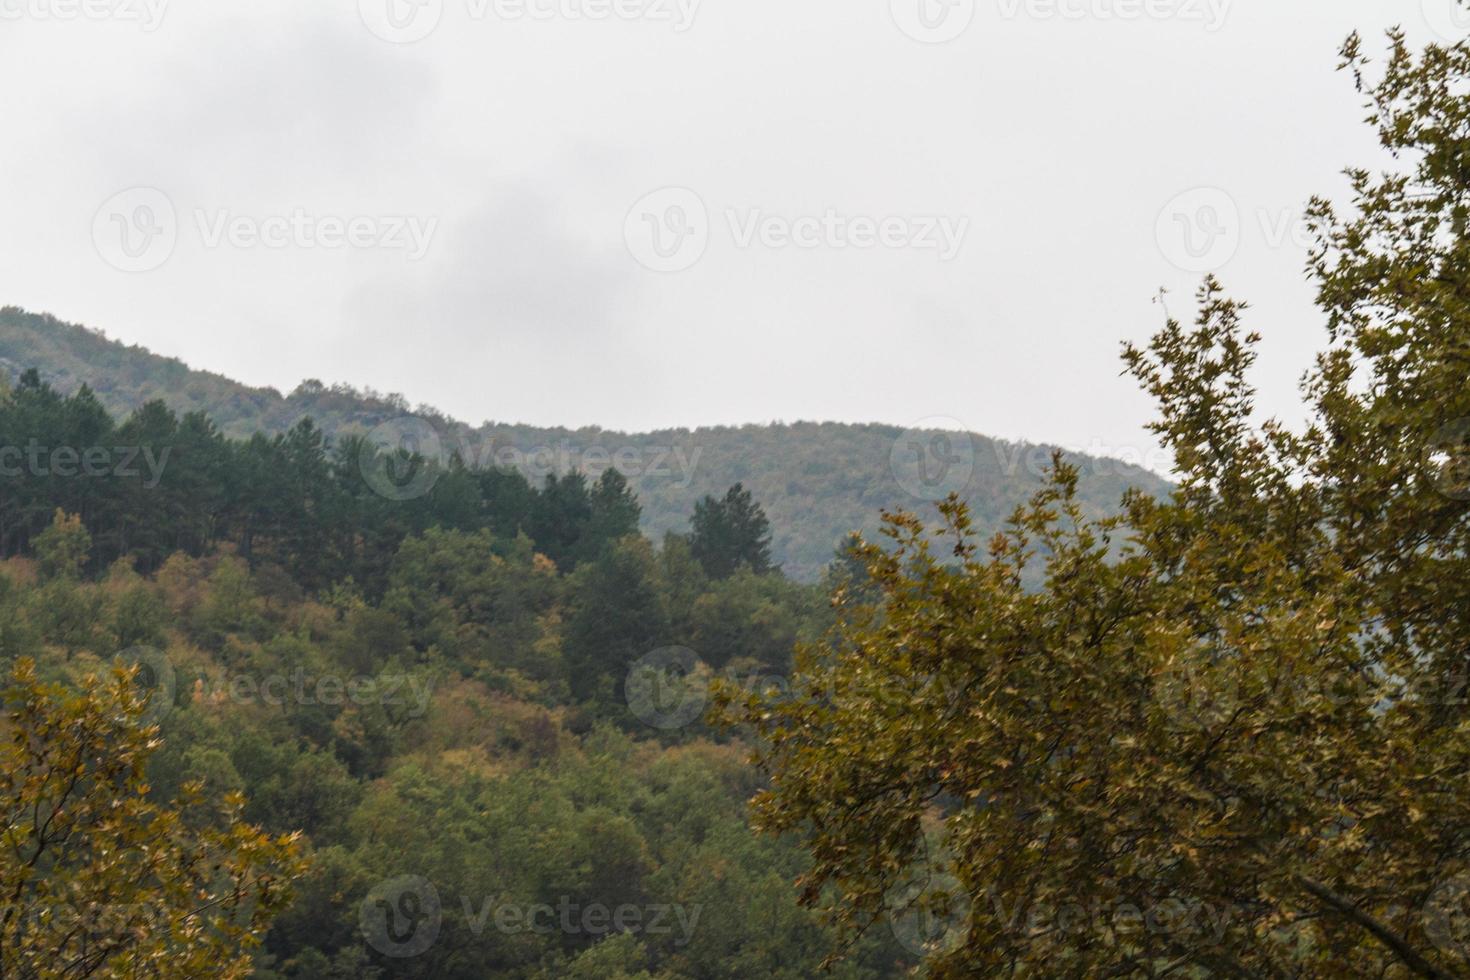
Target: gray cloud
[1063,141]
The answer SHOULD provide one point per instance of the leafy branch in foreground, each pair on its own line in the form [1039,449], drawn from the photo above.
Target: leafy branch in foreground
[98,880]
[1228,736]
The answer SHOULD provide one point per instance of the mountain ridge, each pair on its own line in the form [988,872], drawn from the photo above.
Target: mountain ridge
[818,481]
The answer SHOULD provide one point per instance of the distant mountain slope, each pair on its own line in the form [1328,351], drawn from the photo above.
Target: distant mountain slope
[817,481]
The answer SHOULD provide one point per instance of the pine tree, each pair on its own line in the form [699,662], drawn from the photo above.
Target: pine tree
[731,533]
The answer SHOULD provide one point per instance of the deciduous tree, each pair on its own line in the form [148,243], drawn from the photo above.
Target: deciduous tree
[1227,736]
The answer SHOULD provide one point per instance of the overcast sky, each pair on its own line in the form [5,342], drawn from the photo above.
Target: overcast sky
[651,213]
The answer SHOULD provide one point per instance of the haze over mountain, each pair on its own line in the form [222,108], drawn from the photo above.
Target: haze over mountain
[817,481]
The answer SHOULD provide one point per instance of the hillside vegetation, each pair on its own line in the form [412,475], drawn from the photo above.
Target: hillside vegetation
[816,481]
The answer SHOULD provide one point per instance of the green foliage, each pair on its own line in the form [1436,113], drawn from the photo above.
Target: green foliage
[1227,737]
[615,513]
[139,618]
[816,481]
[61,549]
[615,616]
[476,600]
[752,617]
[731,534]
[463,758]
[100,880]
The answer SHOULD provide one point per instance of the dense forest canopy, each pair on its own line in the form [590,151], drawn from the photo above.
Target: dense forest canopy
[422,702]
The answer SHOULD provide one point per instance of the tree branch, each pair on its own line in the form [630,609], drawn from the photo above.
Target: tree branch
[1376,927]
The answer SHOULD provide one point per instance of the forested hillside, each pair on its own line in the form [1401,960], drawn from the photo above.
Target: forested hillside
[480,708]
[816,481]
[326,687]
